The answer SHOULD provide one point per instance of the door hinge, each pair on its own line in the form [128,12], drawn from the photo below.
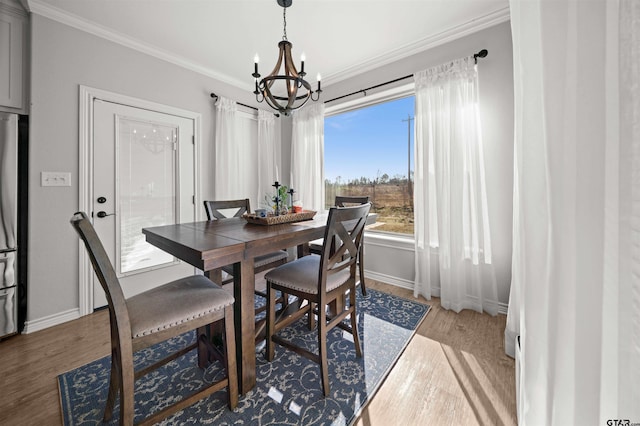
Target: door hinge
[175,146]
[193,140]
[193,200]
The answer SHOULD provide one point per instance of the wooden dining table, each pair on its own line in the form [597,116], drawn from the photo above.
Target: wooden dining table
[209,245]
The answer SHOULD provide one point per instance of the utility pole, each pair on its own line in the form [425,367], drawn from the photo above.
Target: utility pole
[409,189]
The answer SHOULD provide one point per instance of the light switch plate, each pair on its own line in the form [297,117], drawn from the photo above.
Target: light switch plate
[55,178]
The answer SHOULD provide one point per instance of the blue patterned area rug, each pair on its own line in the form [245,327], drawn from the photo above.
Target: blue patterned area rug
[386,324]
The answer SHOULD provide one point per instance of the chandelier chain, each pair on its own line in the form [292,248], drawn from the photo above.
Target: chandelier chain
[284,26]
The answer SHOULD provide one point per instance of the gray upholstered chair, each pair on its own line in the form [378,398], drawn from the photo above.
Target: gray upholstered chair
[323,280]
[191,303]
[316,246]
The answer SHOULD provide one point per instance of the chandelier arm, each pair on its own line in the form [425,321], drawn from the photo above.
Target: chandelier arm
[289,65]
[273,100]
[303,102]
[290,70]
[281,57]
[273,103]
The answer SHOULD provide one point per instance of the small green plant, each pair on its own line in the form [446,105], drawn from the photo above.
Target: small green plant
[270,200]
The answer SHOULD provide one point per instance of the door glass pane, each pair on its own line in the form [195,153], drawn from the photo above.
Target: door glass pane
[146,190]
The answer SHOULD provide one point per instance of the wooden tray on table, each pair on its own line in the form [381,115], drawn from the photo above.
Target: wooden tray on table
[277,220]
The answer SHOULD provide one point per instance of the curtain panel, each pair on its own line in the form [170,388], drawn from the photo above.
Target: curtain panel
[575,291]
[227,166]
[452,236]
[307,156]
[269,156]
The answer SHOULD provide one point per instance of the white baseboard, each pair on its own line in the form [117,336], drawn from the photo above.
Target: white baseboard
[388,279]
[51,320]
[408,284]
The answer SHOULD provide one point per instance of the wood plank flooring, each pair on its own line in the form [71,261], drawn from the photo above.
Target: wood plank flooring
[453,372]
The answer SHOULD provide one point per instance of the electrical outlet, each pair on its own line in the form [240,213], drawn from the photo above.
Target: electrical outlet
[55,179]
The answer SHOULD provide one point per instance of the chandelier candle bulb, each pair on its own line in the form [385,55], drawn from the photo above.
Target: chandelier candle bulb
[256,59]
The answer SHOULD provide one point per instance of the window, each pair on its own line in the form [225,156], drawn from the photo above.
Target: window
[368,150]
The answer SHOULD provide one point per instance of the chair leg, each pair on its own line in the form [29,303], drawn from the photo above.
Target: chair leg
[203,351]
[271,322]
[285,300]
[354,324]
[322,351]
[113,387]
[127,401]
[361,269]
[312,316]
[230,355]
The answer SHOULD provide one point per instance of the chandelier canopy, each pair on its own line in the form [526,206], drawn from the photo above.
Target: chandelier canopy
[285,89]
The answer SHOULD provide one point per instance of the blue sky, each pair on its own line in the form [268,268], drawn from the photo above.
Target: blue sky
[368,141]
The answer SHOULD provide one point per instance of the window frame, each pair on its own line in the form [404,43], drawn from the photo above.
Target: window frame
[383,238]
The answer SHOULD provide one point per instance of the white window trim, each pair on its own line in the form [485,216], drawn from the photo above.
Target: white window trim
[367,100]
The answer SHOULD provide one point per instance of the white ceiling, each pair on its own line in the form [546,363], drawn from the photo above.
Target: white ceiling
[340,38]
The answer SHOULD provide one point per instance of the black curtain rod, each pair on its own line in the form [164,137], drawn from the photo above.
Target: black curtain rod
[481,54]
[213,95]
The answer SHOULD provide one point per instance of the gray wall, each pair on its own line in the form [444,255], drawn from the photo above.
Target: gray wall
[63,58]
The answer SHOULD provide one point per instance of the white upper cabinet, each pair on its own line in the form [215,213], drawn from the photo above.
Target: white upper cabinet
[13,36]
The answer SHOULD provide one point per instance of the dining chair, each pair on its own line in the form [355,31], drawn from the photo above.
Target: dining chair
[316,245]
[156,315]
[322,280]
[216,211]
[223,209]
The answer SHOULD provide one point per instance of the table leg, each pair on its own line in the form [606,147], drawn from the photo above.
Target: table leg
[243,289]
[214,275]
[303,250]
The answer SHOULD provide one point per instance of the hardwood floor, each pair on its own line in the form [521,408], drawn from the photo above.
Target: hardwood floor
[453,372]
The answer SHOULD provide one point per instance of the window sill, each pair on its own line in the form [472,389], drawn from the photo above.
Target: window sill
[396,241]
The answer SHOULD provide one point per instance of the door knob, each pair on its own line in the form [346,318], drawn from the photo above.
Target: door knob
[104,214]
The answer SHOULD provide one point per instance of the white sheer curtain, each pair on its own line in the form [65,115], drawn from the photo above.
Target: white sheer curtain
[269,155]
[227,167]
[575,292]
[452,239]
[307,156]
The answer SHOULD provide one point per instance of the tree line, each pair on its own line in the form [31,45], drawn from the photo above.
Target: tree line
[381,179]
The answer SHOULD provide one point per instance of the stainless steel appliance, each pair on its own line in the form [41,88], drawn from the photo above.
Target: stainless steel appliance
[13,130]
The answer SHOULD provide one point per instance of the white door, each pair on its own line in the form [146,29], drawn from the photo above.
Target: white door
[143,175]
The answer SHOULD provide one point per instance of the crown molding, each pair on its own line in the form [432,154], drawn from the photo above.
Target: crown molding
[43,9]
[489,20]
[13,7]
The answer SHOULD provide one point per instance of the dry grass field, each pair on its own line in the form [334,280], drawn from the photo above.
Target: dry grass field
[391,202]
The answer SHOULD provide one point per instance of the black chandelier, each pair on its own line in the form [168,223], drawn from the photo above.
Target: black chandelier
[292,91]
